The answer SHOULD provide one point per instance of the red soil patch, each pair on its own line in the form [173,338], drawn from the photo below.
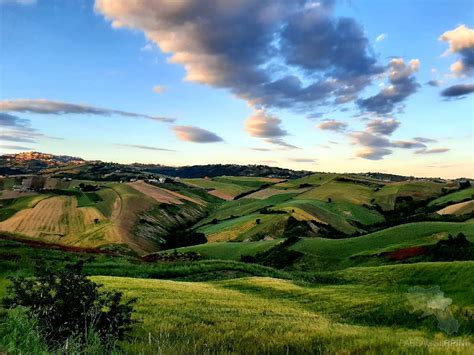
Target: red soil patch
[405,253]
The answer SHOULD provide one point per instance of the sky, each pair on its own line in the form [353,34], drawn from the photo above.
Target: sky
[337,86]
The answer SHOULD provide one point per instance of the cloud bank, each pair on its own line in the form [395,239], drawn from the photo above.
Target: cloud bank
[280,54]
[49,107]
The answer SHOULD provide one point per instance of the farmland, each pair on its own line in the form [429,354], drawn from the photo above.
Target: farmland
[321,261]
[142,215]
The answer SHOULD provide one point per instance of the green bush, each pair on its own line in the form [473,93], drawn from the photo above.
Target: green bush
[68,306]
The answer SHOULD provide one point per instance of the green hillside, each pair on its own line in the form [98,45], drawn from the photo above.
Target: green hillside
[341,192]
[454,197]
[387,196]
[329,254]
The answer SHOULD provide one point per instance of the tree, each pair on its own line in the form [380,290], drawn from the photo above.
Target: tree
[69,305]
[257,221]
[329,199]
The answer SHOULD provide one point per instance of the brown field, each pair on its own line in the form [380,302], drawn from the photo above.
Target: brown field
[221,194]
[263,194]
[54,217]
[458,208]
[162,195]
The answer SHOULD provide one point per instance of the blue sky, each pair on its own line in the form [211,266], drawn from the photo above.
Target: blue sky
[261,89]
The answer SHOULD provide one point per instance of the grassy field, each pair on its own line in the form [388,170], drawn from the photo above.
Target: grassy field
[108,200]
[52,219]
[225,306]
[243,207]
[314,179]
[10,207]
[387,195]
[246,181]
[267,315]
[231,251]
[453,197]
[331,254]
[246,228]
[340,192]
[337,214]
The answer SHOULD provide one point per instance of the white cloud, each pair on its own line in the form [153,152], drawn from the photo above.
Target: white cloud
[381,37]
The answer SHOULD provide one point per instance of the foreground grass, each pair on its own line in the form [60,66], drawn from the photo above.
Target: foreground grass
[266,315]
[233,307]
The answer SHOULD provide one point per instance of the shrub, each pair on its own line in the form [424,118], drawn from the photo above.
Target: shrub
[67,305]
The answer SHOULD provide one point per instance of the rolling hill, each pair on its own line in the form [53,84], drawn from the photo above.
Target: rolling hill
[324,261]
